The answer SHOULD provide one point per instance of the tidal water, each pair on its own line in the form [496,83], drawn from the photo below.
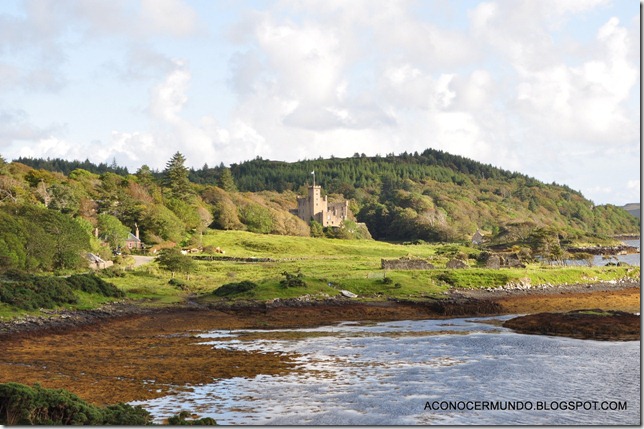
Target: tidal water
[599,260]
[388,373]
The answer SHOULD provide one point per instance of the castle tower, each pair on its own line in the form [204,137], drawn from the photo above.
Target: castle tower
[315,207]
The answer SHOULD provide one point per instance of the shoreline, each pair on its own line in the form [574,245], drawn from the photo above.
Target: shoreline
[127,353]
[457,303]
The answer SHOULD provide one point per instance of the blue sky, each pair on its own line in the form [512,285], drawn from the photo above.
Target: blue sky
[549,88]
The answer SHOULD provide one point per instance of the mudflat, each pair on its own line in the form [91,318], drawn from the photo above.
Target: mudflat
[142,356]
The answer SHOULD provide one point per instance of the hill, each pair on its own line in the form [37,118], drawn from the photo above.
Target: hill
[436,196]
[430,196]
[634,209]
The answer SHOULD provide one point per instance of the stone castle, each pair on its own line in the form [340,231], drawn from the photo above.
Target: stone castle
[315,207]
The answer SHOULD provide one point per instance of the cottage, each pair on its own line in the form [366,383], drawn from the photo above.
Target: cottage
[133,241]
[97,263]
[477,238]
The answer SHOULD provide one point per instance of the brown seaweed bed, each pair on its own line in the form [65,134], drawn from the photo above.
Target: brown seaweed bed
[592,324]
[135,356]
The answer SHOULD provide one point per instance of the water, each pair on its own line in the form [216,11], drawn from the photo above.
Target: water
[386,373]
[598,260]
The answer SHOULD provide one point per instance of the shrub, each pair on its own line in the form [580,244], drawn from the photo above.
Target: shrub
[92,284]
[24,405]
[292,280]
[178,283]
[234,288]
[32,292]
[125,414]
[37,292]
[180,420]
[111,272]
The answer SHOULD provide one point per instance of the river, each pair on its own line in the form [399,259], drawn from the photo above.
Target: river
[394,373]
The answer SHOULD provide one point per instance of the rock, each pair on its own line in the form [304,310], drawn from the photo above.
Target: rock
[456,264]
[348,294]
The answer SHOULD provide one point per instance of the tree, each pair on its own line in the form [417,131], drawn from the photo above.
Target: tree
[145,176]
[317,230]
[114,232]
[544,242]
[225,215]
[256,217]
[174,261]
[175,177]
[226,181]
[62,242]
[158,220]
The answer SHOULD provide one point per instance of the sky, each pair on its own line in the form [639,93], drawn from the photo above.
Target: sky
[548,88]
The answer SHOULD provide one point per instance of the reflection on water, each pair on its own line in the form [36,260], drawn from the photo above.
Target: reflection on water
[385,373]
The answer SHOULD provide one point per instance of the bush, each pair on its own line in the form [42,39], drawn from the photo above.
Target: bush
[37,292]
[293,280]
[111,272]
[234,288]
[92,284]
[125,414]
[24,405]
[178,283]
[180,420]
[32,292]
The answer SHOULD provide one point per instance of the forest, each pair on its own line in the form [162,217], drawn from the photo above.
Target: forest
[50,210]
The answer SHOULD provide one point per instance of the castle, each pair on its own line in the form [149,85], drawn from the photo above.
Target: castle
[314,207]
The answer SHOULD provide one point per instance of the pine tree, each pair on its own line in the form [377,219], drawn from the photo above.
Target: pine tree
[226,181]
[175,177]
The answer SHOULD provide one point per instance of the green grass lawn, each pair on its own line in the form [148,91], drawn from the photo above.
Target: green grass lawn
[327,266]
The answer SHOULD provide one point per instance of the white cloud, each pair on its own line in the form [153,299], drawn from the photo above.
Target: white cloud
[168,17]
[168,98]
[308,60]
[50,147]
[508,83]
[584,102]
[15,124]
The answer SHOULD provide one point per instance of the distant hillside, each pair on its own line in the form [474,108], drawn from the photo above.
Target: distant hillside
[63,166]
[634,209]
[433,196]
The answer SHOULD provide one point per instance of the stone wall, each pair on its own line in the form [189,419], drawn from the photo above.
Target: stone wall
[405,264]
[499,260]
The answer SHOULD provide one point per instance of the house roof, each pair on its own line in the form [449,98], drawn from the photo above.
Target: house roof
[132,237]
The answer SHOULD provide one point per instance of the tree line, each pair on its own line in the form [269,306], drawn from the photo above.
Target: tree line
[431,196]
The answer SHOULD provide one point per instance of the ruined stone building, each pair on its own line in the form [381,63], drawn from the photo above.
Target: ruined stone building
[315,207]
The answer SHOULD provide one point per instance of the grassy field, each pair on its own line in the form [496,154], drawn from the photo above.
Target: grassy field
[329,265]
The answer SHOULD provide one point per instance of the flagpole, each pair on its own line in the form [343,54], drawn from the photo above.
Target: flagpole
[313,173]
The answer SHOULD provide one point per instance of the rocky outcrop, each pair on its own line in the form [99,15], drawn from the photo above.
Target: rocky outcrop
[456,264]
